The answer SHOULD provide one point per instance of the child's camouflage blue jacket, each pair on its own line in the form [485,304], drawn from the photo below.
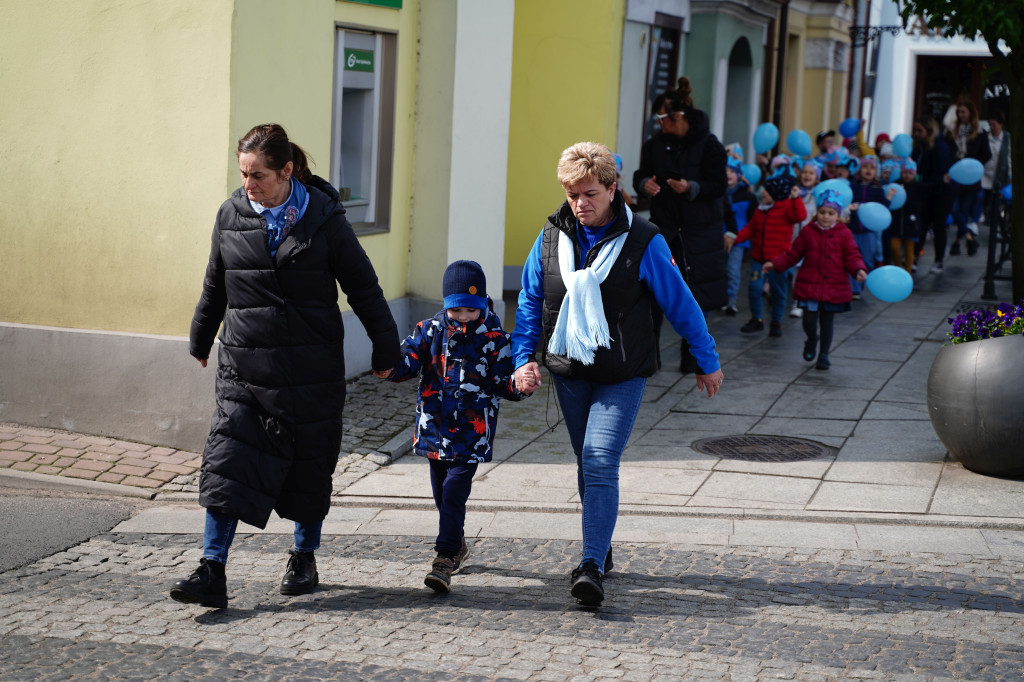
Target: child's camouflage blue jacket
[464,370]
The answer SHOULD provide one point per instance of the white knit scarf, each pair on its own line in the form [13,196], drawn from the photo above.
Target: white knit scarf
[581,327]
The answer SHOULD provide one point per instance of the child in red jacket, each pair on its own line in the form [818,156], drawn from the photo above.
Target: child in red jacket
[822,286]
[770,232]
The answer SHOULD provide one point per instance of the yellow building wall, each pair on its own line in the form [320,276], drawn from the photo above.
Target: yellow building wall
[121,120]
[115,116]
[565,83]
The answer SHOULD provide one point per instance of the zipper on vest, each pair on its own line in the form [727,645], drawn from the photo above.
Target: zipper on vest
[622,338]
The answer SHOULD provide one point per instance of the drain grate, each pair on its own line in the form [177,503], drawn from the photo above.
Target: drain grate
[759,448]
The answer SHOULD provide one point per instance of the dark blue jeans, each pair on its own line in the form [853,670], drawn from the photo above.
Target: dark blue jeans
[777,285]
[220,532]
[599,418]
[451,484]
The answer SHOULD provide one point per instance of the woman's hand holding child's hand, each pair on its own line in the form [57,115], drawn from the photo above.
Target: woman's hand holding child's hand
[527,378]
[768,266]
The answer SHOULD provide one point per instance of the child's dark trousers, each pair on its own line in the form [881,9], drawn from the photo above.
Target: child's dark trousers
[451,483]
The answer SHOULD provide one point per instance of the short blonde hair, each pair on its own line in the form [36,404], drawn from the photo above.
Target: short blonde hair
[586,160]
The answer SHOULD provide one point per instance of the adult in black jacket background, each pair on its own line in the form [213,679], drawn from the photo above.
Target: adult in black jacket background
[682,170]
[281,246]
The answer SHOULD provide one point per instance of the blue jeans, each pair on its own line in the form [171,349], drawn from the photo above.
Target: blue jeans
[599,418]
[777,285]
[451,484]
[733,267]
[220,532]
[866,245]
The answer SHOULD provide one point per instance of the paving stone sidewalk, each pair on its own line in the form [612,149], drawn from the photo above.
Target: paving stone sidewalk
[677,612]
[376,431]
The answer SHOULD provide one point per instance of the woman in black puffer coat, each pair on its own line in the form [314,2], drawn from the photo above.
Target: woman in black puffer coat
[281,246]
[682,170]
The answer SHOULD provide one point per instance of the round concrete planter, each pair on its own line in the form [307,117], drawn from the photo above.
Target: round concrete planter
[976,404]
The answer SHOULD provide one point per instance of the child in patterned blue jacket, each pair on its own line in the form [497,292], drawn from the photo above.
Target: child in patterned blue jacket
[464,361]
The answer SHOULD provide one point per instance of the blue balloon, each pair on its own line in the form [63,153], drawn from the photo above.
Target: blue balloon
[849,127]
[902,145]
[874,216]
[799,143]
[1008,192]
[890,283]
[899,198]
[752,173]
[840,185]
[765,137]
[966,171]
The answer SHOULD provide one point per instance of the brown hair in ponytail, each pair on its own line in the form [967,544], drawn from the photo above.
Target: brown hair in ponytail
[680,99]
[271,142]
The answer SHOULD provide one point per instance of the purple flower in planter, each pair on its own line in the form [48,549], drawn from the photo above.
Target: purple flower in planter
[1006,320]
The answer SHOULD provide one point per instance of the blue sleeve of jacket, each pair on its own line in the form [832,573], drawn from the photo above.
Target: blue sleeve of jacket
[415,346]
[674,297]
[502,384]
[528,315]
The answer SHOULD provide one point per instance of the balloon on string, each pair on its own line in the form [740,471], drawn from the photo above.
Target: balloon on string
[902,145]
[799,142]
[874,216]
[899,198]
[765,137]
[966,171]
[890,283]
[849,127]
[752,173]
[1008,192]
[841,186]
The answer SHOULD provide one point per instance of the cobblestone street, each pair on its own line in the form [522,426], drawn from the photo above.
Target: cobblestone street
[100,611]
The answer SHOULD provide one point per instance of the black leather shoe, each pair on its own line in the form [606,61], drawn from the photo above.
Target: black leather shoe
[587,584]
[207,586]
[300,577]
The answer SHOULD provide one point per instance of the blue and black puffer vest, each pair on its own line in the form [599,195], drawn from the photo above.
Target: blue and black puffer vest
[627,301]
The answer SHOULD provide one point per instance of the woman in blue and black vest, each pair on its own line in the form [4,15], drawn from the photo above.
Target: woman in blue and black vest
[590,284]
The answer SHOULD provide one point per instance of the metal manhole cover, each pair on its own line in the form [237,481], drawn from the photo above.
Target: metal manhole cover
[759,448]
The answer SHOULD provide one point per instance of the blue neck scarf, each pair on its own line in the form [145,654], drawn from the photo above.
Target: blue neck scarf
[281,219]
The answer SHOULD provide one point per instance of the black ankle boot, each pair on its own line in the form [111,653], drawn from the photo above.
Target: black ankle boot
[300,577]
[206,586]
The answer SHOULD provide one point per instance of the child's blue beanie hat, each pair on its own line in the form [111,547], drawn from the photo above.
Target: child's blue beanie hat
[464,285]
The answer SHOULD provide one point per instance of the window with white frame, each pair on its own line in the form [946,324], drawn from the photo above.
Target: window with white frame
[363,125]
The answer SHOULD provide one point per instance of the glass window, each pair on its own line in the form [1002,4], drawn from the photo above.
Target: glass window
[363,125]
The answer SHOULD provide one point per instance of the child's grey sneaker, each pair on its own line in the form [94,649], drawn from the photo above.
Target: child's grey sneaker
[461,556]
[440,577]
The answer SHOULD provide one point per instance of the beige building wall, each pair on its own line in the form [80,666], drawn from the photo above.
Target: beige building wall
[116,117]
[121,120]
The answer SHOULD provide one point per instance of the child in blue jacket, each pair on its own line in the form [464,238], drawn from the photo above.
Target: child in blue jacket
[464,361]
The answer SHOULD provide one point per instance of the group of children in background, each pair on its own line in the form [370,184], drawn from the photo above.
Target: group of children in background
[815,239]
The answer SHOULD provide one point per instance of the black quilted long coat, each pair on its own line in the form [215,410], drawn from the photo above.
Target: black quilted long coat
[276,432]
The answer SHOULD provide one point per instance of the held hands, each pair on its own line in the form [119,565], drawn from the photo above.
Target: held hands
[382,373]
[729,242]
[679,186]
[710,382]
[527,378]
[767,266]
[861,276]
[651,187]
